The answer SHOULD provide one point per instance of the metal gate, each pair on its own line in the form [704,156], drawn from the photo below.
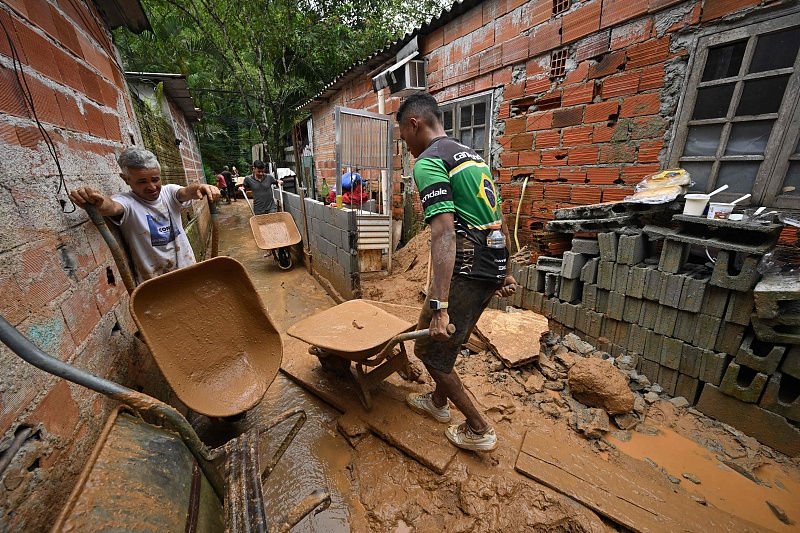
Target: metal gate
[364,145]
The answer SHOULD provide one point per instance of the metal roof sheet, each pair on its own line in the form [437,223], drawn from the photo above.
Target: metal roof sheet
[128,13]
[175,87]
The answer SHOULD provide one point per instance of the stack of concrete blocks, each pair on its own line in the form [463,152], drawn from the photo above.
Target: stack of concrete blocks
[333,238]
[688,327]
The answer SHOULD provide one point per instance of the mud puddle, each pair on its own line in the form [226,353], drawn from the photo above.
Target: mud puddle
[720,485]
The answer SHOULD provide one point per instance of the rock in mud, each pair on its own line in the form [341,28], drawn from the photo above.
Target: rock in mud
[535,382]
[597,383]
[679,402]
[691,477]
[591,421]
[780,514]
[554,385]
[564,356]
[626,421]
[639,405]
[651,397]
[551,409]
[574,343]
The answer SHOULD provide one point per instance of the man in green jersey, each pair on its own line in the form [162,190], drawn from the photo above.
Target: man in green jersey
[462,206]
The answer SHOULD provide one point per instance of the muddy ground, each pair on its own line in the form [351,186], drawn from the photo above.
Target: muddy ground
[375,487]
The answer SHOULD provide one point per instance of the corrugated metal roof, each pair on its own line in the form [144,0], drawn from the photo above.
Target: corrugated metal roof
[176,89]
[383,55]
[128,13]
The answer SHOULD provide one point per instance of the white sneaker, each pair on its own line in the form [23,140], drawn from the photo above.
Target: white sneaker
[423,404]
[462,436]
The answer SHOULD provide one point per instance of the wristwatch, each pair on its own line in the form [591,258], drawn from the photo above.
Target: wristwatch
[436,305]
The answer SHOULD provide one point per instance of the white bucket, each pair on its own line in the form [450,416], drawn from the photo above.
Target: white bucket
[719,210]
[695,204]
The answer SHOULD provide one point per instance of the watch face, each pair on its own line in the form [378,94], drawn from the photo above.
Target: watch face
[434,304]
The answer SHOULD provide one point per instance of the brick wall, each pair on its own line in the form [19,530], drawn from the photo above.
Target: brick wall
[58,282]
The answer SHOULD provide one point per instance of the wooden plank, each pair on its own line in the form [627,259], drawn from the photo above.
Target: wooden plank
[370,260]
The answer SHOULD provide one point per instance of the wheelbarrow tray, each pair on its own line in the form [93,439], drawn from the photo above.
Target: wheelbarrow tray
[354,330]
[274,230]
[210,335]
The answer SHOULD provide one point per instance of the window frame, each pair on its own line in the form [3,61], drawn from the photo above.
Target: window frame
[785,129]
[455,106]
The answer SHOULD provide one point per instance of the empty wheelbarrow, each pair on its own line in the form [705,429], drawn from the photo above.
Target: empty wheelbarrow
[275,232]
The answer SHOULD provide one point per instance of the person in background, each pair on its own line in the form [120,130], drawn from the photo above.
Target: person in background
[222,185]
[149,214]
[229,183]
[261,184]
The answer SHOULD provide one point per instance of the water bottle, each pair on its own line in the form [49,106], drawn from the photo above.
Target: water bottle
[324,189]
[496,239]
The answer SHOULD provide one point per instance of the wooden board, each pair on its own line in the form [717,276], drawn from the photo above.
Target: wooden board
[627,491]
[370,260]
[513,337]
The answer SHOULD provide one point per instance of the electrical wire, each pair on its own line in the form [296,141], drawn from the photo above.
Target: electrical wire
[27,97]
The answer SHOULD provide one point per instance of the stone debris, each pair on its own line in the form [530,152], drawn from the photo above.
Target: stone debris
[597,383]
[780,514]
[691,478]
[679,402]
[590,421]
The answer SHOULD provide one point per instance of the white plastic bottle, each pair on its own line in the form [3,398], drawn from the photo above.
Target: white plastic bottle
[496,239]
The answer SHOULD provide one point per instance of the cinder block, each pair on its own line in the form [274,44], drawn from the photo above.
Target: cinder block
[673,256]
[692,294]
[671,289]
[538,301]
[715,301]
[616,305]
[705,333]
[647,318]
[608,330]
[620,283]
[589,271]
[652,288]
[608,246]
[570,290]
[649,369]
[585,246]
[516,298]
[776,331]
[691,360]
[688,387]
[532,279]
[637,337]
[595,324]
[551,282]
[743,383]
[729,338]
[536,283]
[668,379]
[782,396]
[549,264]
[605,275]
[522,275]
[765,426]
[791,364]
[777,294]
[581,320]
[547,307]
[602,301]
[621,334]
[727,275]
[713,366]
[665,320]
[671,350]
[572,264]
[569,313]
[652,347]
[589,295]
[633,309]
[637,279]
[760,356]
[631,249]
[740,307]
[527,298]
[685,326]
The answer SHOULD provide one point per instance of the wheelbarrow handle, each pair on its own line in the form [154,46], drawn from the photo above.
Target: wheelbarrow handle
[408,336]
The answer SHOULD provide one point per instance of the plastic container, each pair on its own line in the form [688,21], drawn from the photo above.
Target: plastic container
[695,204]
[719,210]
[496,238]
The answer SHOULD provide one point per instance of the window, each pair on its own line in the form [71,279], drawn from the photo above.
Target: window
[560,6]
[469,121]
[558,63]
[740,122]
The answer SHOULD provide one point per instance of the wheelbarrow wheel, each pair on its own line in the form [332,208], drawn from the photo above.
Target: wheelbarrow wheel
[284,258]
[331,363]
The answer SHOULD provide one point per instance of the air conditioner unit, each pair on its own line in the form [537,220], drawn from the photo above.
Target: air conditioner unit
[409,78]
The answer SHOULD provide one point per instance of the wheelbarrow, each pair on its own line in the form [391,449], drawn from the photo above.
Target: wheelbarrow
[357,331]
[151,472]
[275,232]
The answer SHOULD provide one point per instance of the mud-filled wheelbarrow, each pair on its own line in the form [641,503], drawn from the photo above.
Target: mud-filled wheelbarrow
[357,331]
[275,232]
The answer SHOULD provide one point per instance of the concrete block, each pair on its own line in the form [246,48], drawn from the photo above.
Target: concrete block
[649,369]
[782,396]
[547,307]
[777,294]
[589,271]
[760,356]
[791,364]
[637,337]
[608,246]
[765,426]
[652,347]
[705,332]
[637,279]
[685,326]
[516,298]
[551,283]
[571,290]
[729,338]
[673,256]
[631,249]
[671,289]
[572,264]
[692,294]
[527,298]
[581,320]
[620,281]
[740,307]
[715,301]
[589,295]
[688,387]
[665,320]
[691,360]
[605,275]
[602,301]
[608,330]
[647,318]
[713,366]
[569,314]
[633,309]
[616,305]
[532,279]
[671,351]
[730,273]
[668,379]
[550,264]
[743,383]
[652,287]
[538,301]
[773,330]
[537,282]
[621,334]
[585,246]
[595,324]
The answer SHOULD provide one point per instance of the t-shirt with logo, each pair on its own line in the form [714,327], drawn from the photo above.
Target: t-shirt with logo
[453,178]
[154,232]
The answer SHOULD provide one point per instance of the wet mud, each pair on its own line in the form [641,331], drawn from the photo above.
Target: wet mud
[274,230]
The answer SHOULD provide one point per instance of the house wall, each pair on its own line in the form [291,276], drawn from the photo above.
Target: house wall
[582,138]
[58,282]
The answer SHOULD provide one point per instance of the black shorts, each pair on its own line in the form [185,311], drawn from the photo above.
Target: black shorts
[467,300]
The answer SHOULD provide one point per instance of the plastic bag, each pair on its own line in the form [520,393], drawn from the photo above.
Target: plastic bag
[661,187]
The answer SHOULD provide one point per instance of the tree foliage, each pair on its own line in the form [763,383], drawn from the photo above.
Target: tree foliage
[250,63]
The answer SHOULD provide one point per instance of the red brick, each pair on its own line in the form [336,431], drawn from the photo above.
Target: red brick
[567,117]
[29,137]
[586,195]
[607,65]
[617,153]
[648,53]
[529,158]
[613,194]
[91,83]
[508,26]
[509,159]
[58,412]
[652,78]
[650,150]
[522,142]
[557,192]
[547,139]
[576,135]
[66,32]
[111,126]
[540,11]
[616,11]
[540,121]
[537,85]
[601,112]
[432,41]
[538,66]
[656,5]
[502,76]
[583,155]
[713,9]
[551,100]
[580,94]
[578,74]
[545,37]
[44,102]
[41,277]
[481,40]
[554,158]
[602,175]
[504,111]
[39,13]
[81,314]
[546,174]
[514,90]
[94,120]
[572,175]
[13,305]
[515,125]
[633,174]
[621,85]
[582,21]
[472,20]
[592,46]
[504,175]
[631,33]
[491,11]
[641,104]
[38,51]
[691,18]
[652,127]
[11,97]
